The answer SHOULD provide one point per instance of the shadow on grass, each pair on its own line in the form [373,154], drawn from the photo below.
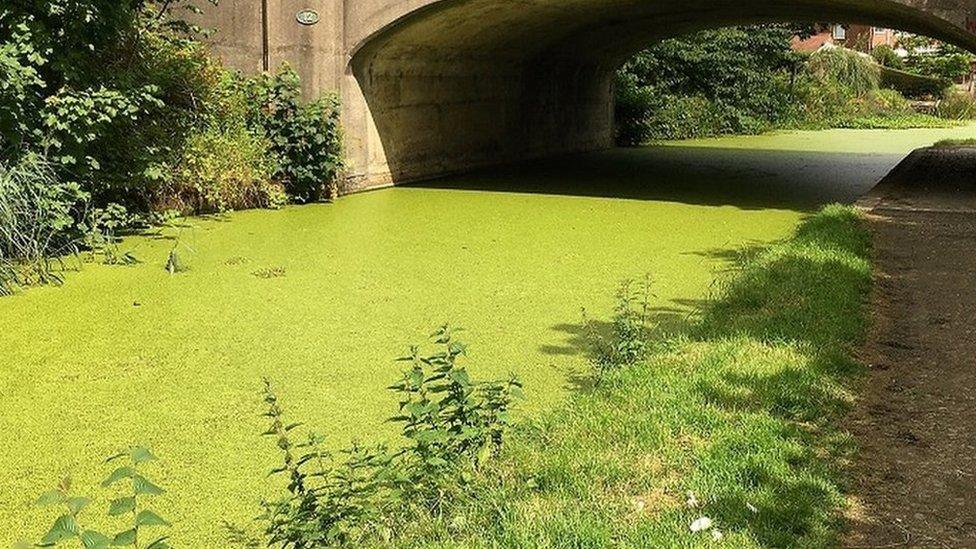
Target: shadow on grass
[803,300]
[744,403]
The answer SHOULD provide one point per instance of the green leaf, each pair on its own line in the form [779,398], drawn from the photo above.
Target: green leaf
[119,474]
[64,528]
[126,538]
[141,455]
[143,486]
[77,504]
[121,506]
[159,544]
[95,540]
[52,497]
[149,518]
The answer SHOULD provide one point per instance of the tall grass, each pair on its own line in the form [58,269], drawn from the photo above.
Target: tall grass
[735,422]
[37,217]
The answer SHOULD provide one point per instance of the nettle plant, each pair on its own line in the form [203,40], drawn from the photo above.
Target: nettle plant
[448,417]
[135,487]
[451,425]
[627,341]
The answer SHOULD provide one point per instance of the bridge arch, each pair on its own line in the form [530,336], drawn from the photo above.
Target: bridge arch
[450,85]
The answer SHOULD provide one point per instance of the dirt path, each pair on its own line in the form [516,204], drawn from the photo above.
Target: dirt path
[915,478]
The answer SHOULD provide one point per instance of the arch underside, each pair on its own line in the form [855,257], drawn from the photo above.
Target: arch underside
[465,83]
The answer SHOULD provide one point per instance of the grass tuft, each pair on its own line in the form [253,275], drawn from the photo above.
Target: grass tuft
[739,417]
[956,143]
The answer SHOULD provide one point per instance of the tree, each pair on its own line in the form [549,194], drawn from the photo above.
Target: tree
[931,57]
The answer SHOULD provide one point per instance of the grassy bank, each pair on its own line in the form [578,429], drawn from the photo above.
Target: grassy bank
[742,414]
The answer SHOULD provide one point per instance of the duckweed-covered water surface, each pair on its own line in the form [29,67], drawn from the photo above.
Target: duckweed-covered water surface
[322,298]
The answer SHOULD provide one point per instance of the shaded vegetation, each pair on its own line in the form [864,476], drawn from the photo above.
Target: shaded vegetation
[955,143]
[120,101]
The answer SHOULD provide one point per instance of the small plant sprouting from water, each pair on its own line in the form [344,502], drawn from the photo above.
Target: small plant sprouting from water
[67,527]
[451,424]
[626,342]
[102,234]
[175,260]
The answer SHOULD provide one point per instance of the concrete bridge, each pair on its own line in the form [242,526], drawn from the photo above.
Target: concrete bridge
[431,87]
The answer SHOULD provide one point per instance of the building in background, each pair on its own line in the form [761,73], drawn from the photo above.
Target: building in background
[862,38]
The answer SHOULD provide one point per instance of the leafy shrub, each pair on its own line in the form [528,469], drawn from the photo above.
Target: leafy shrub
[103,228]
[931,57]
[633,109]
[914,85]
[88,92]
[451,424]
[305,138]
[221,170]
[37,221]
[67,527]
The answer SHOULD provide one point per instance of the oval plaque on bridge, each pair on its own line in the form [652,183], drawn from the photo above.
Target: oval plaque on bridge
[308,17]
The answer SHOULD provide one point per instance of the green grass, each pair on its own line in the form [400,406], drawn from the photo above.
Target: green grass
[742,413]
[897,122]
[838,140]
[956,143]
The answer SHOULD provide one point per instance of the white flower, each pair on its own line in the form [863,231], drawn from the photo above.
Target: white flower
[701,525]
[717,534]
[692,501]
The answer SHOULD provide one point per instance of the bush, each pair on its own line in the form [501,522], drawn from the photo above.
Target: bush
[626,342]
[38,215]
[934,58]
[305,138]
[121,98]
[633,109]
[86,81]
[844,68]
[914,85]
[221,170]
[734,80]
[885,56]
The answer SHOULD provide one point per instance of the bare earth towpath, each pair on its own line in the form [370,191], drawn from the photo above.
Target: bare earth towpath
[915,477]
